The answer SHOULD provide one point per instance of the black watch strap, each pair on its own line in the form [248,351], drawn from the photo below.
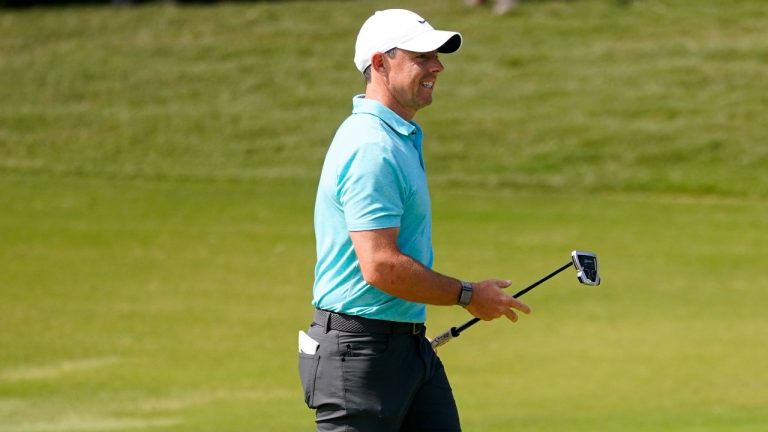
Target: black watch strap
[465,296]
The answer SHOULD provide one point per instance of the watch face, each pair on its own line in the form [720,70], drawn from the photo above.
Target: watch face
[466,294]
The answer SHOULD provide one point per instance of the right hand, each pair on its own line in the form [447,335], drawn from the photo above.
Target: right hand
[489,301]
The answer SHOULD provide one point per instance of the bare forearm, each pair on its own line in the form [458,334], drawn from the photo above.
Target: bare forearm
[387,268]
[406,278]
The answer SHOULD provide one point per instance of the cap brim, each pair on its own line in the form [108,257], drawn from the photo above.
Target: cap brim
[434,40]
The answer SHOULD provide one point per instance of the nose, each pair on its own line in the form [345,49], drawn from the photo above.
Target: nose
[436,66]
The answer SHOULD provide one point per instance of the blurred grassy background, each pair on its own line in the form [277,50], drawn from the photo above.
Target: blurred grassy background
[157,175]
[653,96]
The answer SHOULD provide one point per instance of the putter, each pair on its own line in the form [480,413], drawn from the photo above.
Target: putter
[587,273]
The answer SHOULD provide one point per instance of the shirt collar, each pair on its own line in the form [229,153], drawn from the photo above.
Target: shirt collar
[361,105]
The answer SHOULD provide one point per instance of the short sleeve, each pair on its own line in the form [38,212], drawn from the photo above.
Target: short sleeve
[370,188]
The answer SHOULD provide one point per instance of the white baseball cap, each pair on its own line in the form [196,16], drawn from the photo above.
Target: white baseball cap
[400,28]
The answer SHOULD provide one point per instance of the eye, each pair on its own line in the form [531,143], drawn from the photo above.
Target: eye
[425,57]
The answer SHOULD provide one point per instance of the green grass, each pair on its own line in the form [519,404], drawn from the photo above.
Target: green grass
[142,301]
[157,175]
[655,96]
[670,341]
[174,306]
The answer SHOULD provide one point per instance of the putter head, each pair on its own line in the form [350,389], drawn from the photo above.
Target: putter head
[586,267]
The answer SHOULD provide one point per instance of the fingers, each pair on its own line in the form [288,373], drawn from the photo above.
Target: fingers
[511,301]
[522,307]
[514,304]
[510,304]
[511,315]
[491,302]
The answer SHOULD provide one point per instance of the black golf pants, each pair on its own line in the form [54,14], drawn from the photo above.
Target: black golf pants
[369,382]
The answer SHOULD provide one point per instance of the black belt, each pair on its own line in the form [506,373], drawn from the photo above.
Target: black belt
[357,324]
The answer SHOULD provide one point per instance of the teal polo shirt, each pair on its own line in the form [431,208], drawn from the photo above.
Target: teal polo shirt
[373,177]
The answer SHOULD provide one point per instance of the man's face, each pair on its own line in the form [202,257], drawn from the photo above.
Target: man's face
[412,78]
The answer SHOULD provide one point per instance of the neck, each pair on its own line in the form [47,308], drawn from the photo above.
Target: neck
[382,94]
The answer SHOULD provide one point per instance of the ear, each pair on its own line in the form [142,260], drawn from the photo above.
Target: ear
[378,63]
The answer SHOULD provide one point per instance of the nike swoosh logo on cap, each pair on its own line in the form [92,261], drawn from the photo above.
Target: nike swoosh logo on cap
[422,21]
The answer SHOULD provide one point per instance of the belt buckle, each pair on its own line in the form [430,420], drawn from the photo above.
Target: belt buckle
[415,330]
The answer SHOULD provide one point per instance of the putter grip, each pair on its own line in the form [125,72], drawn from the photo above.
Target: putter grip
[443,339]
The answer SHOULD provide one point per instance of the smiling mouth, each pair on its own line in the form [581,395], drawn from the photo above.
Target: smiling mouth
[428,84]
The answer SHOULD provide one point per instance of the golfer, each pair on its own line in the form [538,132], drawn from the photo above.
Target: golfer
[365,363]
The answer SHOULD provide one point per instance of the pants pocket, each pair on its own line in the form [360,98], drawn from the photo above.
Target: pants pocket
[308,375]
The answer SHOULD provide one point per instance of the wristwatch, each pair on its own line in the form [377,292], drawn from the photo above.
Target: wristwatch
[465,296]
